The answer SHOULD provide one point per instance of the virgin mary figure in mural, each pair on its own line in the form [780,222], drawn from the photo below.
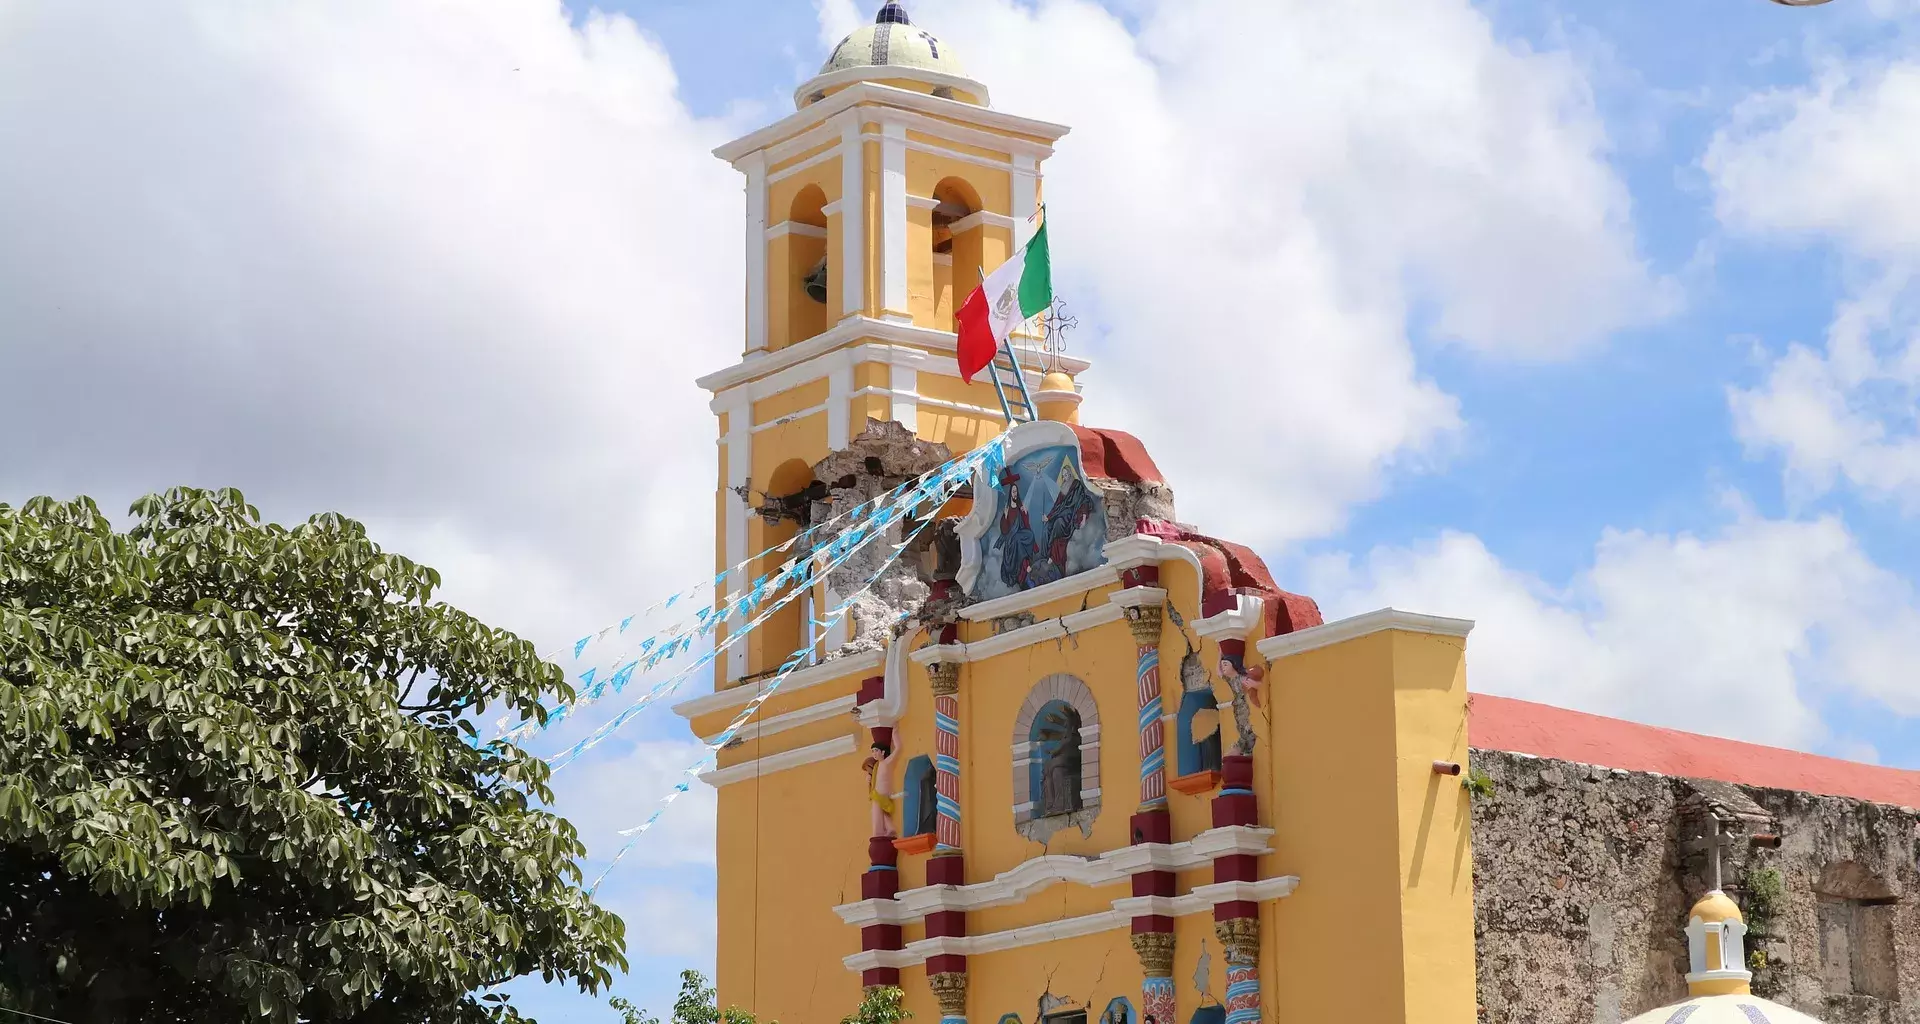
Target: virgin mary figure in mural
[1071,509]
[1017,543]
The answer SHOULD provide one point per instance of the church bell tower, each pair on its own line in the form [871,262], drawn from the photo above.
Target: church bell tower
[872,212]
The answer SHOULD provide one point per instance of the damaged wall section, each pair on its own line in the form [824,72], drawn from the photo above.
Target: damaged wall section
[1582,880]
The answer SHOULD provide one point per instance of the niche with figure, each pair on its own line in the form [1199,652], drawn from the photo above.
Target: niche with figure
[1056,767]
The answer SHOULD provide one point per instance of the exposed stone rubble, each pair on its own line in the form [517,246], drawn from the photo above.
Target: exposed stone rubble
[1582,881]
[880,458]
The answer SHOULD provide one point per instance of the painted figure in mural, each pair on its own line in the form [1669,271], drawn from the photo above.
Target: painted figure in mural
[879,769]
[1060,765]
[1071,509]
[1236,680]
[1018,546]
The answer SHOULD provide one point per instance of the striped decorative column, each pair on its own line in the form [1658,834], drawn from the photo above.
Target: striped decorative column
[946,752]
[1237,922]
[1145,621]
[1151,824]
[947,972]
[1155,950]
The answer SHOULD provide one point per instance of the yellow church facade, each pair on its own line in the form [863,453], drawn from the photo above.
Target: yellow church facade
[1086,762]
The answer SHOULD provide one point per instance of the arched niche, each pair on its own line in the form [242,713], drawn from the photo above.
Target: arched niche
[800,272]
[923,799]
[772,642]
[1056,762]
[957,247]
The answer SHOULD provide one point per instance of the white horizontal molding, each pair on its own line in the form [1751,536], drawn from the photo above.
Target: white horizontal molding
[950,131]
[1140,550]
[836,747]
[1012,604]
[891,100]
[1139,597]
[1026,636]
[1315,637]
[986,217]
[794,227]
[865,663]
[821,712]
[857,328]
[919,399]
[1201,900]
[1016,884]
[917,202]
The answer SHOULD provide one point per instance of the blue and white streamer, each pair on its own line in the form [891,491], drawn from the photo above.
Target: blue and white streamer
[948,482]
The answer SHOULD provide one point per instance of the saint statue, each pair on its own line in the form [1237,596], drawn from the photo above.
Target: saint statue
[879,769]
[1059,748]
[1237,681]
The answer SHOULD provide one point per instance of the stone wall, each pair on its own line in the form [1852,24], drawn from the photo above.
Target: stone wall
[1582,883]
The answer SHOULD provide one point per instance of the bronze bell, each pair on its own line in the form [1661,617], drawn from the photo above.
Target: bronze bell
[816,282]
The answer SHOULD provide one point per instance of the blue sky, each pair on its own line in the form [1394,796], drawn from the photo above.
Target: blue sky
[1594,323]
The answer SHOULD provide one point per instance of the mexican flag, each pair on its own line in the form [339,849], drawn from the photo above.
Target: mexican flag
[1020,289]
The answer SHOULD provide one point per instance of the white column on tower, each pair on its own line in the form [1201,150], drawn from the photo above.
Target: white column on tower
[853,216]
[893,220]
[755,166]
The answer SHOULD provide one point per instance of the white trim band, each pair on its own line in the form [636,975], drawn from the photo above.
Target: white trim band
[1315,637]
[782,761]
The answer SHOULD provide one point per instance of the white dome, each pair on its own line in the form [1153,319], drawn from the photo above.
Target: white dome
[1724,1010]
[892,48]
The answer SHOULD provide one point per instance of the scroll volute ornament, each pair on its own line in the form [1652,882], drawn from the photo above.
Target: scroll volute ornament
[1155,950]
[951,990]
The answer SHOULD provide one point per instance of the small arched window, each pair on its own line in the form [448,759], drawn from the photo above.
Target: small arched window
[1197,723]
[923,798]
[1056,766]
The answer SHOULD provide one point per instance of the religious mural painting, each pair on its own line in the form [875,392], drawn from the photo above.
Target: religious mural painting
[1036,518]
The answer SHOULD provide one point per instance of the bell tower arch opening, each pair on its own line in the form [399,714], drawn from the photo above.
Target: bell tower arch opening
[957,247]
[800,271]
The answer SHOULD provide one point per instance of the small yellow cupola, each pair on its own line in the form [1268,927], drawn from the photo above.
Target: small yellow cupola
[1719,986]
[1716,948]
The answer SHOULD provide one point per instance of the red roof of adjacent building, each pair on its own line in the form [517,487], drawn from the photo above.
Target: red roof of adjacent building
[1523,727]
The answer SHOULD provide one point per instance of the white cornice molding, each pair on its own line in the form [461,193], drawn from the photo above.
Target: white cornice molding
[1020,882]
[1202,899]
[1066,586]
[1138,597]
[836,747]
[885,96]
[1140,550]
[1315,637]
[986,217]
[801,679]
[762,728]
[794,227]
[1236,623]
[856,328]
[1026,636]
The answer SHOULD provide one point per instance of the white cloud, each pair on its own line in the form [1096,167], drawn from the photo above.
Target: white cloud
[1741,633]
[1836,161]
[1261,195]
[449,267]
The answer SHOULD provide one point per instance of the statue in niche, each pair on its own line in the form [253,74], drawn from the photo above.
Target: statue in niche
[879,769]
[1236,678]
[1058,746]
[1201,713]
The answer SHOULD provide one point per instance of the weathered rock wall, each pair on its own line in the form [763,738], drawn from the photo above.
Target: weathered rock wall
[1582,883]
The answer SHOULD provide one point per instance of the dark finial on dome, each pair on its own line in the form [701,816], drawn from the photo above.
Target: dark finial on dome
[892,14]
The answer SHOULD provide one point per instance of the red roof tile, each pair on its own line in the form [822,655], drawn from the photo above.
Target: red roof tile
[1502,723]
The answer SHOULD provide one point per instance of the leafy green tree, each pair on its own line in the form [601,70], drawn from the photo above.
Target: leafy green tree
[238,781]
[882,1004]
[698,1004]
